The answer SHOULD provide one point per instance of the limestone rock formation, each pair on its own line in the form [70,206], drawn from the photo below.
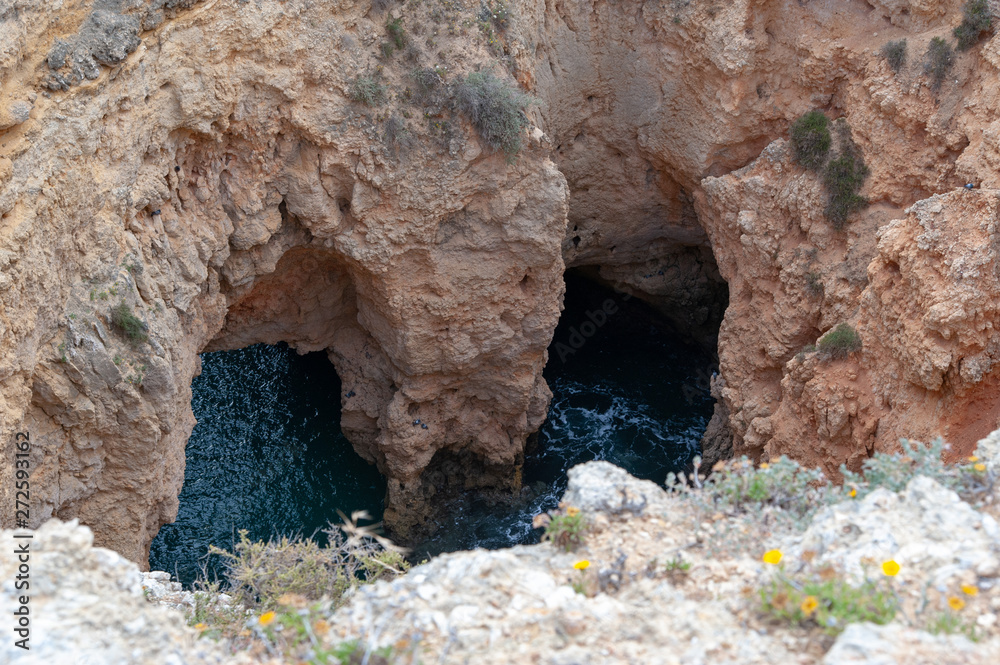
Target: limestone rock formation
[87,606]
[211,171]
[220,171]
[665,581]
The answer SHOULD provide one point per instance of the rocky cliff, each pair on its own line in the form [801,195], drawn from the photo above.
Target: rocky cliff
[206,175]
[699,97]
[205,167]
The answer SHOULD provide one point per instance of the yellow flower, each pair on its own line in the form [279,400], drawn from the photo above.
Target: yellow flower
[890,568]
[809,605]
[200,626]
[956,603]
[970,589]
[321,627]
[582,565]
[572,511]
[764,465]
[772,557]
[266,618]
[980,467]
[853,493]
[972,458]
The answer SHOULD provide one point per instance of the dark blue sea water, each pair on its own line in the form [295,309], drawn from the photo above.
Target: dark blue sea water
[267,454]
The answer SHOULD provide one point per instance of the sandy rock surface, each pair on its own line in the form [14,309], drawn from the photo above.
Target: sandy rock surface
[87,607]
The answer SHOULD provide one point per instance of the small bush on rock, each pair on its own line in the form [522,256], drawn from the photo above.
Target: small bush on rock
[739,486]
[565,530]
[394,26]
[976,19]
[128,323]
[940,58]
[839,342]
[827,600]
[366,90]
[811,139]
[894,471]
[260,573]
[843,178]
[495,108]
[895,54]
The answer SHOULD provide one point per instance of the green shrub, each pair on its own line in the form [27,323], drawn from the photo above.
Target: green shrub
[811,139]
[940,58]
[831,604]
[260,573]
[394,26]
[839,342]
[565,530]
[976,19]
[128,323]
[495,12]
[895,54]
[495,108]
[740,486]
[843,178]
[366,90]
[894,471]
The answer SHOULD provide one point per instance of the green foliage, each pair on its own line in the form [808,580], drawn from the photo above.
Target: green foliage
[495,12]
[260,573]
[62,353]
[811,139]
[940,57]
[366,90]
[394,26]
[496,109]
[829,603]
[677,565]
[128,323]
[739,486]
[895,54]
[840,342]
[950,623]
[566,530]
[894,471]
[843,178]
[976,19]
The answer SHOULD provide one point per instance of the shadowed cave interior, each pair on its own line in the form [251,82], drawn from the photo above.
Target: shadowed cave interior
[268,456]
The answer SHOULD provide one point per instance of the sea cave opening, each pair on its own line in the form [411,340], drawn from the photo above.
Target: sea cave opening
[268,454]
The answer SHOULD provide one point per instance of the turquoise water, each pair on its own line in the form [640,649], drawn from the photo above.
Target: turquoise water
[267,454]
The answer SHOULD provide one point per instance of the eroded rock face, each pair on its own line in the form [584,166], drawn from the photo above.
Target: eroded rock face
[221,184]
[206,165]
[87,606]
[694,97]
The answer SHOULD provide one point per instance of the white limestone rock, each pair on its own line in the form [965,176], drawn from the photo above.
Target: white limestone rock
[87,606]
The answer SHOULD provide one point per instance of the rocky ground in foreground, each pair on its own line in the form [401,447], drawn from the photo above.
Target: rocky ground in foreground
[757,566]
